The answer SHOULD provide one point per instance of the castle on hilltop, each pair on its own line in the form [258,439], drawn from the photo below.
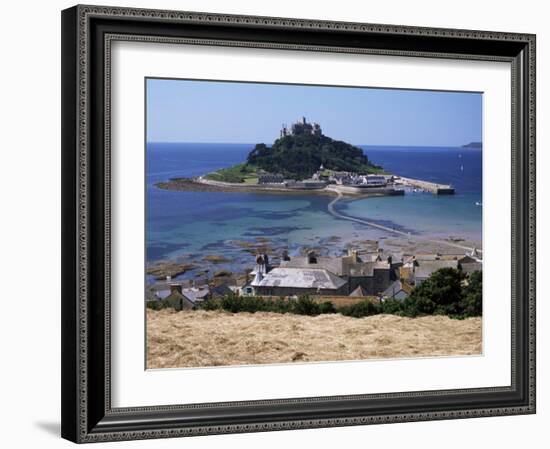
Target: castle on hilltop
[301,127]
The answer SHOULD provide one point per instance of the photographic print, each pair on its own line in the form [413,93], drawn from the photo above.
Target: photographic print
[291,223]
[275,203]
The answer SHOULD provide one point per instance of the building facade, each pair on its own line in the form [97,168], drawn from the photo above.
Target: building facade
[301,127]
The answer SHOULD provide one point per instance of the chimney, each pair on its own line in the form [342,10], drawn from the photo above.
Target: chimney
[311,257]
[175,288]
[352,253]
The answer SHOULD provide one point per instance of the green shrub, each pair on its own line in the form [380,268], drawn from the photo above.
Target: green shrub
[391,306]
[163,304]
[327,307]
[153,305]
[360,309]
[443,293]
[210,304]
[471,303]
[304,305]
[251,304]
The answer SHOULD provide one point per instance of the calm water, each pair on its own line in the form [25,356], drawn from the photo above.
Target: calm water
[192,224]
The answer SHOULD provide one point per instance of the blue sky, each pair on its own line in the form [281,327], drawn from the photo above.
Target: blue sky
[207,111]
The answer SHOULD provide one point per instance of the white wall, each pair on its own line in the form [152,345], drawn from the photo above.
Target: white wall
[30,224]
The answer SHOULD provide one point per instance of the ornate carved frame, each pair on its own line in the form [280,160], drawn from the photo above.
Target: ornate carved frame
[87,34]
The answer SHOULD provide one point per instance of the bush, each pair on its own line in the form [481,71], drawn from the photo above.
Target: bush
[235,304]
[327,307]
[391,306]
[361,309]
[443,293]
[251,304]
[210,304]
[154,305]
[164,304]
[471,303]
[304,305]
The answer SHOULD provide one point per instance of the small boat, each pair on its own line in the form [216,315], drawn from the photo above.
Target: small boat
[462,167]
[478,203]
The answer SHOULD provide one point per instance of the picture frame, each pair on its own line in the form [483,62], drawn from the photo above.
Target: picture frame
[87,411]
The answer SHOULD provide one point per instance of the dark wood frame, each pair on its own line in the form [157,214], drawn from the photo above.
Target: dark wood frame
[87,32]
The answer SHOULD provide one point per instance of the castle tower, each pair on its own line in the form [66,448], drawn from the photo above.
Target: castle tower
[316,129]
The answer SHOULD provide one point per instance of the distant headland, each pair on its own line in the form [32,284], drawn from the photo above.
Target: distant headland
[473,145]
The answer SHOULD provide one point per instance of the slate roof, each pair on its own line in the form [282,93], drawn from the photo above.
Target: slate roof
[301,278]
[467,259]
[358,292]
[340,266]
[395,287]
[427,257]
[196,294]
[367,268]
[220,290]
[470,267]
[371,257]
[426,267]
[179,301]
[332,264]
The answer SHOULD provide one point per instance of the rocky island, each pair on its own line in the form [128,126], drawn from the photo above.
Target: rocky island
[298,154]
[302,158]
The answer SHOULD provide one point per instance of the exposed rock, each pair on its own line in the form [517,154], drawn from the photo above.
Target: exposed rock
[262,239]
[215,258]
[242,243]
[168,268]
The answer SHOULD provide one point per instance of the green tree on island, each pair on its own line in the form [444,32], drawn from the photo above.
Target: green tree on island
[300,156]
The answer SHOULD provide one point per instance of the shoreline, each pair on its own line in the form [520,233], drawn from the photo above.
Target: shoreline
[238,255]
[202,184]
[194,185]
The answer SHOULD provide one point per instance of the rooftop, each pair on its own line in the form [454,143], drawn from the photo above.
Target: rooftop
[470,267]
[367,268]
[395,287]
[345,265]
[195,294]
[301,278]
[332,264]
[426,267]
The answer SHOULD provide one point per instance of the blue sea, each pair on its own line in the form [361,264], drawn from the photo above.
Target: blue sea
[189,225]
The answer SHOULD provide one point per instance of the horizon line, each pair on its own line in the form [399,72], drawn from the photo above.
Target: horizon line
[354,144]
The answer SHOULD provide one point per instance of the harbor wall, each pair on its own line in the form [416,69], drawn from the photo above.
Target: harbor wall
[437,189]
[365,190]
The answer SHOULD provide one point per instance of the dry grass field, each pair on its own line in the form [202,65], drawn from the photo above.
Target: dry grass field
[216,338]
